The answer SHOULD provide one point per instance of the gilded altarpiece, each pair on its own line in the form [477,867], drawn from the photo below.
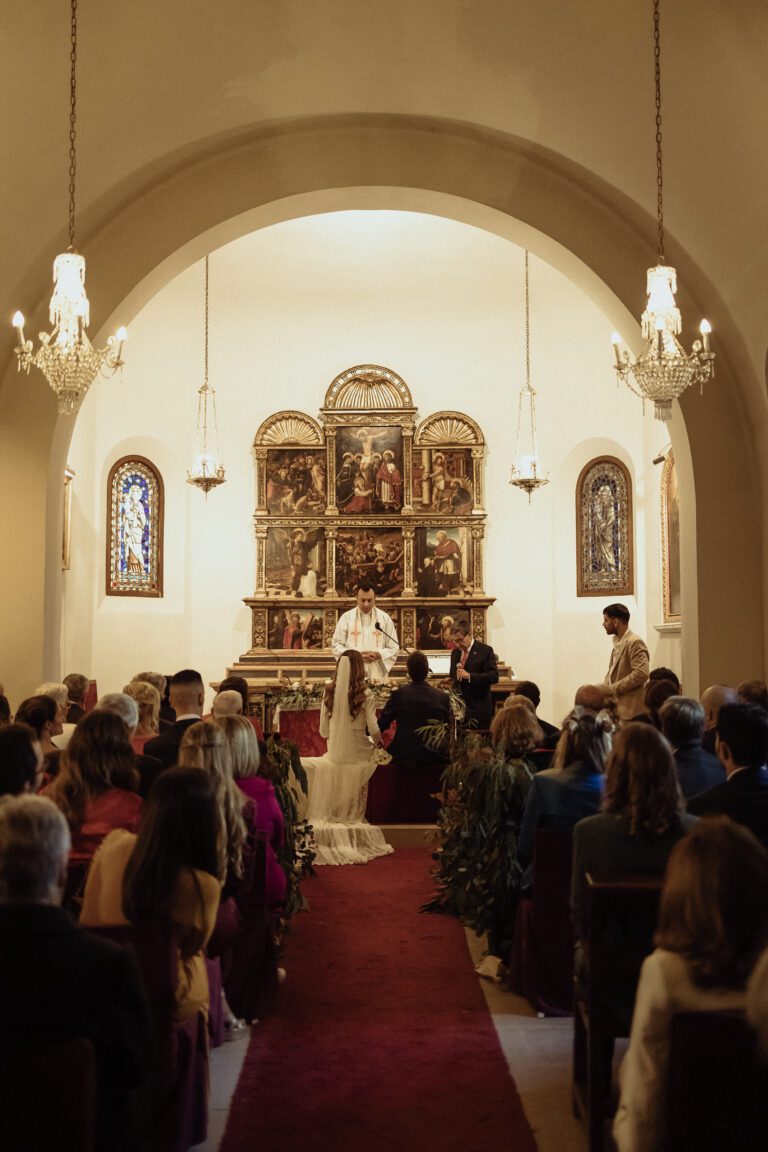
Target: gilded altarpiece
[365,493]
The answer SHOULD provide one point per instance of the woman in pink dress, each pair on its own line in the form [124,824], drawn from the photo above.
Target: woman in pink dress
[244,750]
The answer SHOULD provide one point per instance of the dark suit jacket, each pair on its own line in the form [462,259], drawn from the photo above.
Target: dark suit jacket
[476,692]
[149,768]
[558,798]
[743,797]
[165,747]
[412,706]
[697,770]
[57,981]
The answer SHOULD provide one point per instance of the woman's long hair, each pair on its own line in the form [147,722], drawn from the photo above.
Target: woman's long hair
[243,745]
[98,758]
[515,730]
[641,781]
[203,745]
[714,904]
[357,685]
[178,830]
[586,738]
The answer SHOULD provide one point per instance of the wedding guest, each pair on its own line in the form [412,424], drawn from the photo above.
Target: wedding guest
[742,748]
[59,693]
[656,693]
[227,703]
[125,706]
[147,700]
[641,818]
[97,788]
[531,691]
[41,714]
[58,982]
[167,872]
[187,696]
[267,814]
[5,711]
[754,692]
[21,760]
[77,686]
[682,723]
[204,746]
[713,924]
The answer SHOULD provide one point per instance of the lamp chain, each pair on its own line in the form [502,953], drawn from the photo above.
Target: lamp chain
[527,328]
[72,124]
[659,171]
[206,321]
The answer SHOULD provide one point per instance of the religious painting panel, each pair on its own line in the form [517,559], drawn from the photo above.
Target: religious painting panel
[442,480]
[134,529]
[297,629]
[371,554]
[369,470]
[296,482]
[443,561]
[604,529]
[434,625]
[295,561]
[670,542]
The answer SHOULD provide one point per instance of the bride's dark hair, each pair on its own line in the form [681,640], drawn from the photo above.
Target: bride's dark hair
[357,686]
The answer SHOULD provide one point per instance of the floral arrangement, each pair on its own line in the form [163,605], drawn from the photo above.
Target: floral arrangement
[283,767]
[476,866]
[296,695]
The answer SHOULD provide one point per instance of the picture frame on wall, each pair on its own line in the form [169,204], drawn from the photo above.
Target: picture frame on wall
[670,542]
[135,509]
[604,529]
[373,554]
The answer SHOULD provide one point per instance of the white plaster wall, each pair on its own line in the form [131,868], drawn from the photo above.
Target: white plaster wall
[294,304]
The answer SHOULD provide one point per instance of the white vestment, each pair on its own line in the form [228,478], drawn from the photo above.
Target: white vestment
[356,629]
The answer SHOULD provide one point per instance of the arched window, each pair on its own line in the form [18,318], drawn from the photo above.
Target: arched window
[604,529]
[134,528]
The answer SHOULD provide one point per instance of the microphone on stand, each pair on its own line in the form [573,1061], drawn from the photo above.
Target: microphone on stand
[383,631]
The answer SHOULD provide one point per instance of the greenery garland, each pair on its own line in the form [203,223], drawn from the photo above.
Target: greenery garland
[476,865]
[297,855]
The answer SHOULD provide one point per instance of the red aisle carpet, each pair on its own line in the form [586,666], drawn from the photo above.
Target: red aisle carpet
[382,1041]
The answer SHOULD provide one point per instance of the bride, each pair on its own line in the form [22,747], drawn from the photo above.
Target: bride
[338,781]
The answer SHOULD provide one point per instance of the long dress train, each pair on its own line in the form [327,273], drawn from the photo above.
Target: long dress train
[338,782]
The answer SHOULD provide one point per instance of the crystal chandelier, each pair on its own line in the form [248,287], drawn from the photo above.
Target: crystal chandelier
[66,356]
[207,470]
[664,370]
[525,474]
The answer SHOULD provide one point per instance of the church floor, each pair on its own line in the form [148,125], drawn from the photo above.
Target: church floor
[538,1052]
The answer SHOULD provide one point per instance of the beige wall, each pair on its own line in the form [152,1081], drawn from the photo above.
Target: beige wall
[540,112]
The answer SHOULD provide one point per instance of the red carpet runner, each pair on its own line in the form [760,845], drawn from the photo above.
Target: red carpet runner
[382,1041]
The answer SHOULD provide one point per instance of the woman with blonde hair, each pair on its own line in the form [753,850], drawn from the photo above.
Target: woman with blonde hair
[203,745]
[147,698]
[268,818]
[338,781]
[713,923]
[515,730]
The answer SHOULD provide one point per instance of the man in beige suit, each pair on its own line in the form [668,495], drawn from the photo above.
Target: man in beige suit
[629,666]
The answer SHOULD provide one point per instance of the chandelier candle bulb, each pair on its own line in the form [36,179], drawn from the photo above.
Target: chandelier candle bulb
[616,341]
[18,323]
[705,328]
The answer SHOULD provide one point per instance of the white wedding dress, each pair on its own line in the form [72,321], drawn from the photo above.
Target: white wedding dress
[338,782]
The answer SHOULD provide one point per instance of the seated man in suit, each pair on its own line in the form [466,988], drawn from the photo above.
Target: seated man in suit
[712,700]
[742,748]
[473,671]
[187,696]
[57,981]
[682,722]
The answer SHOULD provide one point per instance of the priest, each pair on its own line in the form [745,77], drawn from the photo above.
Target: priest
[370,632]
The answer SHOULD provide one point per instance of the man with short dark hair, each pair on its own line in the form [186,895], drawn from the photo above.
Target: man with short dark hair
[77,686]
[57,981]
[531,692]
[742,748]
[473,671]
[412,706]
[629,664]
[369,631]
[187,696]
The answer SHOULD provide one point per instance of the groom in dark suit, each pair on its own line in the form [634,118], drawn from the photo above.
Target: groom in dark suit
[413,706]
[473,671]
[187,695]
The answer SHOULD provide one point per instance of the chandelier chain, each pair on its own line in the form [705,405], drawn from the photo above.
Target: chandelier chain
[659,158]
[206,321]
[72,123]
[527,328]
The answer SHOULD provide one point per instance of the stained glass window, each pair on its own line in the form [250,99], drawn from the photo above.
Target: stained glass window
[134,529]
[604,529]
